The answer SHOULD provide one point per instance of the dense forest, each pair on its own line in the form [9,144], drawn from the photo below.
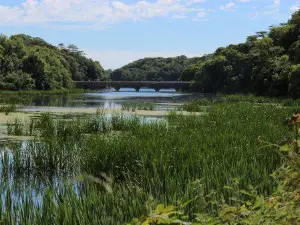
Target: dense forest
[158,69]
[268,63]
[31,63]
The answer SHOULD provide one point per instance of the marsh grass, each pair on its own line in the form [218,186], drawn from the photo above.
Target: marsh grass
[132,106]
[45,98]
[8,109]
[39,92]
[200,105]
[147,163]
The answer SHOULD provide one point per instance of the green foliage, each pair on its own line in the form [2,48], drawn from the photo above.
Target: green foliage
[212,168]
[132,106]
[47,70]
[158,69]
[281,207]
[28,63]
[8,108]
[294,88]
[266,64]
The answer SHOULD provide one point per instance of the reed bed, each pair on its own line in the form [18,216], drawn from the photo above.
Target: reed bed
[8,109]
[123,167]
[201,104]
[132,106]
[45,98]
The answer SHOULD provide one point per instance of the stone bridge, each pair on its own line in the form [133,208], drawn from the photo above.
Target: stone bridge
[137,85]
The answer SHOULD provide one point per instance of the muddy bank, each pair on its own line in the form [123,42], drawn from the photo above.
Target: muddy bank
[61,110]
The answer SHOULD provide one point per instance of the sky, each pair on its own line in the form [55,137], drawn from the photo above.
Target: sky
[116,32]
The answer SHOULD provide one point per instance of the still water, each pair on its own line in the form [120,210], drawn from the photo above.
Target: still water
[166,99]
[30,185]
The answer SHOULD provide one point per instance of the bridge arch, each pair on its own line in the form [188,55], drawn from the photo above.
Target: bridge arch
[137,85]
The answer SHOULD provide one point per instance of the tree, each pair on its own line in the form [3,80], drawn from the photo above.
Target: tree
[47,70]
[261,57]
[26,60]
[282,36]
[261,34]
[61,46]
[211,75]
[294,81]
[280,75]
[17,81]
[162,69]
[294,52]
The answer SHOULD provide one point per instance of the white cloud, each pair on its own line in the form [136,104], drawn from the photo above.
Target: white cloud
[197,1]
[114,59]
[228,7]
[295,7]
[96,13]
[190,2]
[276,3]
[201,14]
[274,8]
[8,15]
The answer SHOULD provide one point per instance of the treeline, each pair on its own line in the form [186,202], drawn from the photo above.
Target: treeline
[268,63]
[158,69]
[31,63]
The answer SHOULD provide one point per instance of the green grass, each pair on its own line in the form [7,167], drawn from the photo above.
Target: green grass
[132,106]
[8,109]
[39,92]
[201,105]
[45,98]
[132,166]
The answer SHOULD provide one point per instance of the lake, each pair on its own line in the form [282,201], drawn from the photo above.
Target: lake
[165,100]
[148,104]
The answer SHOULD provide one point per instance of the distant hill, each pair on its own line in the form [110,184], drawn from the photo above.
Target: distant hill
[32,63]
[267,63]
[158,69]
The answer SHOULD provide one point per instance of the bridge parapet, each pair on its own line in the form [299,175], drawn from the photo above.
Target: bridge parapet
[137,85]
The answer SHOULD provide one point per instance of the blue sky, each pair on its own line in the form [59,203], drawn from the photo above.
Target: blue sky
[116,32]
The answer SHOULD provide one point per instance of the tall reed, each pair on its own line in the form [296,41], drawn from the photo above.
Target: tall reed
[146,163]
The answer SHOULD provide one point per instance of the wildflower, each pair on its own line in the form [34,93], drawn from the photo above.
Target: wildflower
[297,117]
[272,199]
[259,139]
[293,120]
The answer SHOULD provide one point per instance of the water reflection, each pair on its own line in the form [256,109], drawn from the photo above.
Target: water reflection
[125,93]
[19,184]
[166,99]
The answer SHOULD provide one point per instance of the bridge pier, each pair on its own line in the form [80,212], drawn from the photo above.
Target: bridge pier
[156,85]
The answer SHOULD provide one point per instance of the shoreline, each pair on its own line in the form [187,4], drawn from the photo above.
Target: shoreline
[75,110]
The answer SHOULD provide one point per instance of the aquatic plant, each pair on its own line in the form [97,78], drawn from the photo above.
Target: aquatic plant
[132,106]
[187,159]
[8,109]
[281,207]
